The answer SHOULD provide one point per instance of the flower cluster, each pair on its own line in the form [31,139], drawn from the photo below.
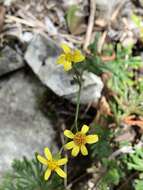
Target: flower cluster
[80,138]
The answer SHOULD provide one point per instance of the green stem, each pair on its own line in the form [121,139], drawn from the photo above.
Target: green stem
[61,149]
[78,102]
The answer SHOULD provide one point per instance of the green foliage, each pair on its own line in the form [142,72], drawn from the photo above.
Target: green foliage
[137,20]
[128,104]
[124,81]
[138,184]
[127,87]
[135,160]
[102,148]
[111,178]
[28,175]
[132,103]
[113,175]
[122,68]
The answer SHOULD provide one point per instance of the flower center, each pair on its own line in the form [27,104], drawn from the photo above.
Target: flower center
[69,57]
[79,139]
[52,164]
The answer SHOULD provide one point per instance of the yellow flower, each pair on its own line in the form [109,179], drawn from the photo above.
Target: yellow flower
[69,56]
[52,164]
[79,141]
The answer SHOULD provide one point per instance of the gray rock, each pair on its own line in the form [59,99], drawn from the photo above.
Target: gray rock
[24,129]
[66,4]
[7,2]
[41,56]
[10,60]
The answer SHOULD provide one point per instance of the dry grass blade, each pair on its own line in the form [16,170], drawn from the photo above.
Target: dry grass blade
[90,24]
[101,42]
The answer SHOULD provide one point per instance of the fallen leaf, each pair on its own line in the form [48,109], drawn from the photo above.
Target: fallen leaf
[104,107]
[106,58]
[131,120]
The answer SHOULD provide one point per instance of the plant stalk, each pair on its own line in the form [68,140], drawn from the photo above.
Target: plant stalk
[78,102]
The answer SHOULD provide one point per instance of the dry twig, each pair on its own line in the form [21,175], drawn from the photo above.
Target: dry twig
[90,24]
[113,18]
[101,41]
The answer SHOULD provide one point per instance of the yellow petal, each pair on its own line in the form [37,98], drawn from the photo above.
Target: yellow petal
[69,134]
[84,150]
[66,48]
[62,161]
[92,139]
[61,173]
[77,56]
[42,160]
[67,66]
[69,145]
[61,59]
[84,129]
[75,151]
[48,153]
[47,174]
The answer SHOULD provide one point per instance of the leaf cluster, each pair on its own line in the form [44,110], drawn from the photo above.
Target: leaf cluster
[121,68]
[134,161]
[114,173]
[102,148]
[28,174]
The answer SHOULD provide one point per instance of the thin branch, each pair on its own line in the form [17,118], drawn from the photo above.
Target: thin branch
[90,24]
[101,42]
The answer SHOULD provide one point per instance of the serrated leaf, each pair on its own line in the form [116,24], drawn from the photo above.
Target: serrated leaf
[27,174]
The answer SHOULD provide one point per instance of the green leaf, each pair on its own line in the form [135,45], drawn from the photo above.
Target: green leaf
[135,160]
[113,174]
[137,20]
[73,20]
[102,148]
[112,177]
[138,185]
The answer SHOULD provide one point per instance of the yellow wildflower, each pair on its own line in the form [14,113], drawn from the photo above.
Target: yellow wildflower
[69,56]
[79,141]
[52,164]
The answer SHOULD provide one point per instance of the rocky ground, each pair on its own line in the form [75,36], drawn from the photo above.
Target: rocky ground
[24,129]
